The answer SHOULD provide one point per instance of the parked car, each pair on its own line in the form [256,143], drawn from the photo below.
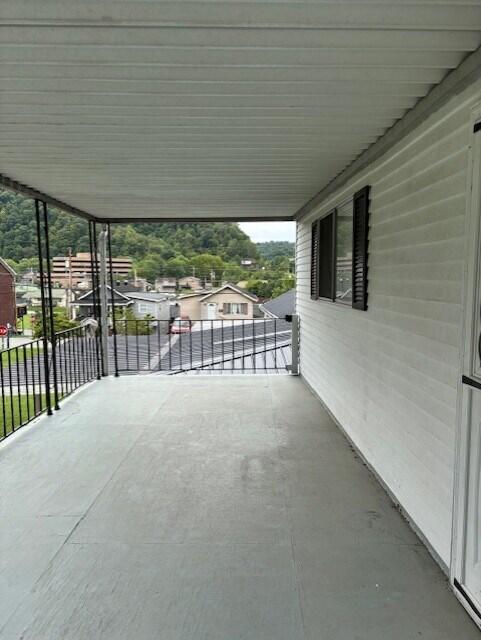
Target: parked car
[183,324]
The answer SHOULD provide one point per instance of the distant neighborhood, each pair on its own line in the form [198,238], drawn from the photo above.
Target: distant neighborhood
[166,298]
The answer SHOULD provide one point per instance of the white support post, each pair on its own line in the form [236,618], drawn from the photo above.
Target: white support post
[295,345]
[103,297]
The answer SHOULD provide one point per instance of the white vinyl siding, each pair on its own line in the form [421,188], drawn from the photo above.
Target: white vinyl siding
[390,375]
[145,308]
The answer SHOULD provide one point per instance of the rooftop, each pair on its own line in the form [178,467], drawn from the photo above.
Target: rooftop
[281,306]
[225,507]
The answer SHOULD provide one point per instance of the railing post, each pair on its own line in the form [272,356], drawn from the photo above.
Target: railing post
[44,312]
[53,339]
[295,345]
[94,291]
[103,298]
[112,300]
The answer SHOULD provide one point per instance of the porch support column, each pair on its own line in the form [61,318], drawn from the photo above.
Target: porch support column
[112,299]
[45,326]
[53,337]
[103,298]
[295,345]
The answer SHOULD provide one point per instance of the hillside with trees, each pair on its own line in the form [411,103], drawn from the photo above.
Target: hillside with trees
[276,249]
[212,251]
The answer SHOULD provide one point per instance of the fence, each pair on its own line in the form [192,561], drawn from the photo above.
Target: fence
[32,382]
[159,346]
[35,376]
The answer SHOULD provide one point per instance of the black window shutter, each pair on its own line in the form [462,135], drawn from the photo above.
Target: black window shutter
[315,260]
[360,248]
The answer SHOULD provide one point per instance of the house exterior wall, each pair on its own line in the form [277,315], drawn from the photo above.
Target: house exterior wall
[8,307]
[190,307]
[196,308]
[159,310]
[389,375]
[228,297]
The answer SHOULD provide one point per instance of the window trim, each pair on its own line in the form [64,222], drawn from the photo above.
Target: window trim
[238,305]
[332,297]
[315,262]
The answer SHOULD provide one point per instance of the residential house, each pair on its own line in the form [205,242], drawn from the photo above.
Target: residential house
[248,263]
[280,307]
[8,307]
[30,276]
[166,285]
[83,306]
[190,282]
[31,296]
[228,302]
[155,305]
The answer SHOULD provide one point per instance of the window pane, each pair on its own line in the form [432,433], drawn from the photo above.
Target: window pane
[344,253]
[325,261]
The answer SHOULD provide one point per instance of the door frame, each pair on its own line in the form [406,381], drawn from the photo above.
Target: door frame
[471,324]
[209,306]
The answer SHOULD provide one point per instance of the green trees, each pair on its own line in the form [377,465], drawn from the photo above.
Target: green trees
[211,251]
[163,244]
[271,287]
[60,322]
[128,325]
[276,249]
[208,266]
[177,267]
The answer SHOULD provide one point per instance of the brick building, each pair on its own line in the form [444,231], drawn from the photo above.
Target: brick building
[77,268]
[8,309]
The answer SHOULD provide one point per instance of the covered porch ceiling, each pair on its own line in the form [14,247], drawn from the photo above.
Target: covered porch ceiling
[138,109]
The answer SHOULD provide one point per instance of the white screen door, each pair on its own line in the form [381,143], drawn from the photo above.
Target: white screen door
[472,564]
[466,569]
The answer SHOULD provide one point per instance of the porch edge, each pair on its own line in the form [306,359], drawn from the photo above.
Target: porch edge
[399,507]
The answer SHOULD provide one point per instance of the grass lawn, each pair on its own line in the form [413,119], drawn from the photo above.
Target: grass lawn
[17,355]
[27,322]
[20,408]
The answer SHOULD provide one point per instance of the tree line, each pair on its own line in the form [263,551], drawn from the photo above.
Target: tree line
[211,251]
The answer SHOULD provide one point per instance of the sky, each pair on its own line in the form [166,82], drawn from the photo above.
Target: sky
[265,231]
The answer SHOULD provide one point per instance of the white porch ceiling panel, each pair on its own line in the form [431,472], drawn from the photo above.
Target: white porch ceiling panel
[200,109]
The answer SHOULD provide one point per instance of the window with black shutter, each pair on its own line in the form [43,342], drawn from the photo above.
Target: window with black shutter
[339,247]
[359,248]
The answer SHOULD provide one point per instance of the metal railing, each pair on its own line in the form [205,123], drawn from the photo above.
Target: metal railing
[162,346]
[28,383]
[77,359]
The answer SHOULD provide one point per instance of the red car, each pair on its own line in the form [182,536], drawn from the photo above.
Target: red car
[181,325]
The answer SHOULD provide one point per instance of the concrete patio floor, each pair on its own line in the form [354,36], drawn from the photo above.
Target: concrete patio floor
[217,508]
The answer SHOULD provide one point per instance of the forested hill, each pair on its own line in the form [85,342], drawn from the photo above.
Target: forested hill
[163,242]
[276,249]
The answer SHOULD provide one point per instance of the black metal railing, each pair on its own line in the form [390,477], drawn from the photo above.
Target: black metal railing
[162,346]
[77,361]
[27,382]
